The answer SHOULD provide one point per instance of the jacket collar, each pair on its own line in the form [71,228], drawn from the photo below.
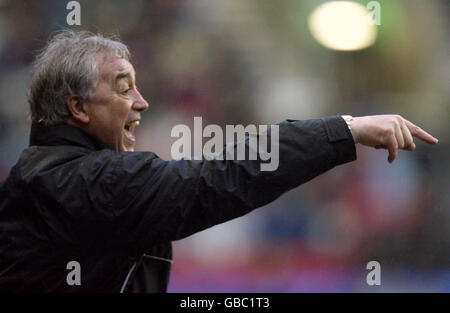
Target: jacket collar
[63,134]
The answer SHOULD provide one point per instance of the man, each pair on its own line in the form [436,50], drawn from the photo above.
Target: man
[80,193]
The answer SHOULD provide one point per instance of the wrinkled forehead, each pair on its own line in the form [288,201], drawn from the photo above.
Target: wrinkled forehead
[111,67]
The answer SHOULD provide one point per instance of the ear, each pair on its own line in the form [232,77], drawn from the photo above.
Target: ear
[77,108]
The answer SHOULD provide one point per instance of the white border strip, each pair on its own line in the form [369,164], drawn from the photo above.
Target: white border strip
[158,258]
[128,277]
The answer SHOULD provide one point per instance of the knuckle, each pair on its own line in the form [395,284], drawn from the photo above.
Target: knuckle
[393,122]
[383,140]
[388,132]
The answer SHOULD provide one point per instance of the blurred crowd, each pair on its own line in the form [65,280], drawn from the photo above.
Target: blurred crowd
[255,62]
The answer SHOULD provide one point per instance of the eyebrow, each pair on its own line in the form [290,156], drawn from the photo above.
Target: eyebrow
[123,75]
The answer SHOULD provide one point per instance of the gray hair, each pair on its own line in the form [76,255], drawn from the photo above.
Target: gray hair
[68,65]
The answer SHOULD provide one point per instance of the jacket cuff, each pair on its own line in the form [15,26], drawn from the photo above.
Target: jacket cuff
[341,138]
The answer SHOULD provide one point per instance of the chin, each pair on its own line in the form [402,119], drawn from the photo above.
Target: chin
[128,149]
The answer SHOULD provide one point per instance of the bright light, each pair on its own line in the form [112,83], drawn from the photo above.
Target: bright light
[343,25]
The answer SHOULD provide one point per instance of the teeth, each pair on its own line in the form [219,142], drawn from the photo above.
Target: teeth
[132,125]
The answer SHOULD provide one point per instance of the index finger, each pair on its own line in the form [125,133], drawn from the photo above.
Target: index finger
[418,132]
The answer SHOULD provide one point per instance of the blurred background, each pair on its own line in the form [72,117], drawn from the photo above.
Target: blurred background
[259,62]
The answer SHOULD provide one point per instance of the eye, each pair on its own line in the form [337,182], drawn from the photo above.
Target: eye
[126,91]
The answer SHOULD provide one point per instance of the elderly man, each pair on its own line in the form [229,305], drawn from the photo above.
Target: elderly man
[80,193]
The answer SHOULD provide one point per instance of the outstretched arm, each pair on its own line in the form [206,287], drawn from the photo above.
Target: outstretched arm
[155,200]
[142,200]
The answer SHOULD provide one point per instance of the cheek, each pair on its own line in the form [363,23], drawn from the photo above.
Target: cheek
[118,112]
[124,111]
[112,115]
[121,115]
[110,120]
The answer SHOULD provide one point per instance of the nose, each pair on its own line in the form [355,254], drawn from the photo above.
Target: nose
[139,103]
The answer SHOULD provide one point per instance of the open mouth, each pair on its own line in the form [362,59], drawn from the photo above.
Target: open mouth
[129,130]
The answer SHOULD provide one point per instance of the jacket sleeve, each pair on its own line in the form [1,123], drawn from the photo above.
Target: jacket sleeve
[153,200]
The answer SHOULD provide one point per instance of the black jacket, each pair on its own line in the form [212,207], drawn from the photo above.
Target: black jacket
[69,198]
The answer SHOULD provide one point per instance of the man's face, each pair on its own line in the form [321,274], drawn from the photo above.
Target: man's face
[114,111]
